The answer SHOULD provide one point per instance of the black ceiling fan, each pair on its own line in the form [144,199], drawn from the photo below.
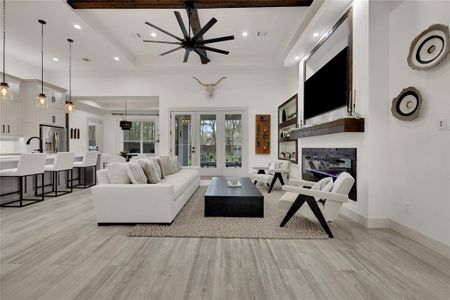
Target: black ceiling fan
[194,42]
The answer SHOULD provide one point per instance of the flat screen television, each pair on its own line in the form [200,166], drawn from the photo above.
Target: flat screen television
[327,89]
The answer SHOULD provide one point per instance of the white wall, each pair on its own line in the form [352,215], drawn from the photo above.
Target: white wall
[419,153]
[79,119]
[259,90]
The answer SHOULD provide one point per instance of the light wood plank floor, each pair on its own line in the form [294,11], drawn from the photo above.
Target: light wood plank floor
[54,250]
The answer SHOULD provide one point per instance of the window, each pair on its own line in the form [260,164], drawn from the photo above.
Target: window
[140,138]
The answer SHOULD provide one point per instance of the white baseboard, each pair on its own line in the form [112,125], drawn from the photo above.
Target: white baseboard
[421,238]
[416,236]
[364,221]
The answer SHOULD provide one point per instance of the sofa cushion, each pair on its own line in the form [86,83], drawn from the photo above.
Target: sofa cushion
[181,180]
[324,185]
[136,173]
[117,173]
[151,170]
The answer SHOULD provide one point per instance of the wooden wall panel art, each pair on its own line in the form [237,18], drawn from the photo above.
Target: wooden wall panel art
[263,123]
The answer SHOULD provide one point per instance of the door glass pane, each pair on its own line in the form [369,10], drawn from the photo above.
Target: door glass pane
[183,139]
[233,140]
[132,138]
[148,137]
[208,150]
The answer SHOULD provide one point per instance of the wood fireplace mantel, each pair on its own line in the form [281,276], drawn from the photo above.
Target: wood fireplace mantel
[336,126]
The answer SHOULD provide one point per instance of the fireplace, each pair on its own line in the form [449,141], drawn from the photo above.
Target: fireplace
[318,163]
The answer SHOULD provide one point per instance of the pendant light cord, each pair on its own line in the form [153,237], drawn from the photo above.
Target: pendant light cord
[42,57]
[4,39]
[70,71]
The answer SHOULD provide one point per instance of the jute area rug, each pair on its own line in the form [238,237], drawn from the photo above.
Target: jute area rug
[191,222]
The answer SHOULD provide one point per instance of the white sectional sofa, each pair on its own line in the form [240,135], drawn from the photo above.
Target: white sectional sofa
[144,203]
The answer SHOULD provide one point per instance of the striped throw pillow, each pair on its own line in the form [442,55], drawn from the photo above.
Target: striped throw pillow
[136,174]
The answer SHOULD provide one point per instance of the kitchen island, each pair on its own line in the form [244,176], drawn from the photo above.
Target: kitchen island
[10,184]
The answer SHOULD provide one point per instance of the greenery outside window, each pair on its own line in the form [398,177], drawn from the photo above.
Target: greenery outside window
[140,138]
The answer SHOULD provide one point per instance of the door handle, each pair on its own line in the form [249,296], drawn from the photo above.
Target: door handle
[3,128]
[9,129]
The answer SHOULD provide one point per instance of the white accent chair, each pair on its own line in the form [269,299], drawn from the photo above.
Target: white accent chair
[109,158]
[29,165]
[63,162]
[89,161]
[323,206]
[278,169]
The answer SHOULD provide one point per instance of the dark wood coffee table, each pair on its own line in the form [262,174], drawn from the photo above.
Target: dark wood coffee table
[223,201]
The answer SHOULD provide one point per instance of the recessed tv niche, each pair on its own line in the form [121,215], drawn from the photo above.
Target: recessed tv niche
[327,89]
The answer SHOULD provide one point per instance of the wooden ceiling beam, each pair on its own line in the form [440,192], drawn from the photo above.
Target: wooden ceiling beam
[179,4]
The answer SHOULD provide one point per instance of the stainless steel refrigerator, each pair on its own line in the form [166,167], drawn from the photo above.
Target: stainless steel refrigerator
[54,138]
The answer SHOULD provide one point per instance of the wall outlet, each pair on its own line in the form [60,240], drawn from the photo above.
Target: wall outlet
[407,208]
[444,124]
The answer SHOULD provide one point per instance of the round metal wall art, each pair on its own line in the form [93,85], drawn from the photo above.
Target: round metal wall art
[406,106]
[429,48]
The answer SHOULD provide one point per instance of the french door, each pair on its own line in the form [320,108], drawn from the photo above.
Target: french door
[214,140]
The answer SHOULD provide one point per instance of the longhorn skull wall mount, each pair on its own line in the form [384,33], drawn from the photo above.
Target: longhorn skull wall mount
[210,87]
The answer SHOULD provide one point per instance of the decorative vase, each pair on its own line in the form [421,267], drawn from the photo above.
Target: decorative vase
[283,116]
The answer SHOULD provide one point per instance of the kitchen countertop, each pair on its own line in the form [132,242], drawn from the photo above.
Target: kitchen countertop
[7,159]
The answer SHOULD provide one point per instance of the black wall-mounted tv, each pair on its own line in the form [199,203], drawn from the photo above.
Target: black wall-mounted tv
[327,89]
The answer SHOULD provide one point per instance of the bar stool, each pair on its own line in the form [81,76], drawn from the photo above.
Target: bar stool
[89,161]
[63,162]
[29,165]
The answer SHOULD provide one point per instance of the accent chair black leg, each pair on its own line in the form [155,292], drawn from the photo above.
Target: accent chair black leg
[318,213]
[280,177]
[294,208]
[255,182]
[274,179]
[71,180]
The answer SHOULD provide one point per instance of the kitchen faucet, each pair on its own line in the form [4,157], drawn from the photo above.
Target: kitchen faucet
[40,143]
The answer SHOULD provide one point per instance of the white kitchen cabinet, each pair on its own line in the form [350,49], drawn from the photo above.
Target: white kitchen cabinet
[11,115]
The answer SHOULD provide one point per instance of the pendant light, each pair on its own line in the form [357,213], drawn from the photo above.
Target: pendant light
[69,104]
[124,124]
[5,92]
[42,99]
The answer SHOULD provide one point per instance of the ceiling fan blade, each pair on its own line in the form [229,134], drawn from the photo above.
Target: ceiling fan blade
[161,42]
[216,40]
[181,23]
[163,31]
[170,51]
[202,55]
[214,50]
[204,29]
[186,55]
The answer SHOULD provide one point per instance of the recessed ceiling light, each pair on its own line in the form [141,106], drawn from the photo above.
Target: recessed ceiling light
[153,34]
[55,59]
[297,58]
[76,26]
[116,58]
[315,34]
[245,33]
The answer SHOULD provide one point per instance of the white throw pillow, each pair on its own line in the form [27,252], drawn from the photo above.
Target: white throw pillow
[150,168]
[136,173]
[166,165]
[117,173]
[174,164]
[323,185]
